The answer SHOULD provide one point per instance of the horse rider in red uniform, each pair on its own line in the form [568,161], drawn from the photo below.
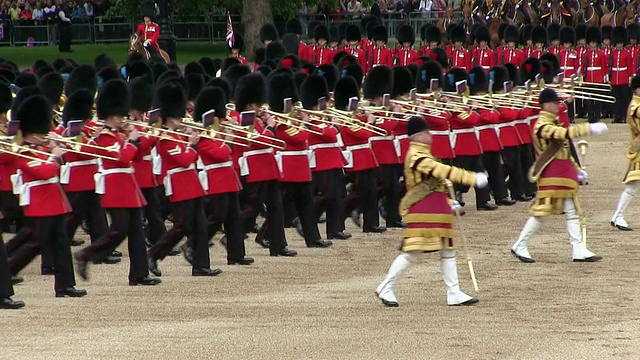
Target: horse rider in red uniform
[149,30]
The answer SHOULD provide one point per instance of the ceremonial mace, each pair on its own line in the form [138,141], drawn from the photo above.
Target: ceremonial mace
[465,249]
[582,146]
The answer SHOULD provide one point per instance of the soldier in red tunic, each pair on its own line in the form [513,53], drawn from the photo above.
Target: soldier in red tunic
[237,47]
[553,32]
[595,69]
[511,54]
[432,38]
[116,182]
[42,198]
[633,33]
[621,72]
[527,42]
[608,109]
[539,37]
[149,30]
[268,34]
[353,37]
[404,54]
[483,56]
[380,53]
[293,26]
[459,57]
[569,60]
[323,54]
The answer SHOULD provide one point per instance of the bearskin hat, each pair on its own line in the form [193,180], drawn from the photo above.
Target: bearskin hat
[352,33]
[58,64]
[167,76]
[6,98]
[406,34]
[379,81]
[193,67]
[293,26]
[511,34]
[307,67]
[133,57]
[346,88]
[458,34]
[482,34]
[34,115]
[195,84]
[313,88]
[40,63]
[299,78]
[501,28]
[210,98]
[107,74]
[413,69]
[342,31]
[102,61]
[353,70]
[635,83]
[311,28]
[8,74]
[158,70]
[440,55]
[553,31]
[593,35]
[291,43]
[209,66]
[365,21]
[606,32]
[82,77]
[429,70]
[141,93]
[79,106]
[529,69]
[148,9]
[171,99]
[52,86]
[275,51]
[380,34]
[268,32]
[513,73]
[113,99]
[472,33]
[223,84]
[633,31]
[26,78]
[619,35]
[477,80]
[526,33]
[251,89]
[567,35]
[498,75]
[39,73]
[230,61]
[539,35]
[271,63]
[22,95]
[402,81]
[344,60]
[433,34]
[334,34]
[234,73]
[330,73]
[281,86]
[452,77]
[581,31]
[238,42]
[371,26]
[553,61]
[140,69]
[423,32]
[290,62]
[321,32]
[264,70]
[547,70]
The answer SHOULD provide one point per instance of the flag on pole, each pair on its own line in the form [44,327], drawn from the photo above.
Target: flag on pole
[230,38]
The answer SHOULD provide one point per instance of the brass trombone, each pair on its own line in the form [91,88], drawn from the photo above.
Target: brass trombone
[69,141]
[188,122]
[289,120]
[346,120]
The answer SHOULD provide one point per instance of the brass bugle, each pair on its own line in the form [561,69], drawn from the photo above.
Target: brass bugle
[289,120]
[254,133]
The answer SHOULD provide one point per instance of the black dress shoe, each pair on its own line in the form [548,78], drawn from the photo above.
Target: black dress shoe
[16,279]
[505,202]
[48,271]
[397,225]
[459,199]
[377,229]
[206,272]
[108,260]
[187,253]
[522,258]
[81,265]
[147,280]
[265,243]
[75,242]
[532,195]
[71,292]
[594,258]
[254,229]
[523,198]
[116,253]
[319,244]
[7,303]
[486,207]
[339,235]
[242,261]
[175,251]
[620,227]
[298,225]
[153,266]
[283,252]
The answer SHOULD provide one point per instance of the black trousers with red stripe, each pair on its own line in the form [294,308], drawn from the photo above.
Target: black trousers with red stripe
[224,209]
[471,163]
[329,196]
[6,287]
[364,197]
[41,234]
[390,188]
[300,194]
[511,156]
[156,227]
[125,223]
[527,158]
[11,210]
[273,227]
[188,220]
[252,198]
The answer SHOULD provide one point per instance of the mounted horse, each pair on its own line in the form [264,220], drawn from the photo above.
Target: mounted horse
[136,46]
[624,16]
[555,13]
[521,13]
[446,23]
[587,14]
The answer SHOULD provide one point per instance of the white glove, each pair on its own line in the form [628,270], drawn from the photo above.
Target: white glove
[598,128]
[481,180]
[455,205]
[582,175]
[146,43]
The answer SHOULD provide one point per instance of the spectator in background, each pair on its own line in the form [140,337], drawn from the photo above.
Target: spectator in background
[38,14]
[14,13]
[26,15]
[51,12]
[77,14]
[88,9]
[354,9]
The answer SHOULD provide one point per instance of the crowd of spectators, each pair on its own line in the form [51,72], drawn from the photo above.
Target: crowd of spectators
[41,12]
[393,9]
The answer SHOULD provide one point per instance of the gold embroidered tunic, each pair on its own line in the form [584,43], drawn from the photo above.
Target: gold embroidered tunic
[559,179]
[426,207]
[633,150]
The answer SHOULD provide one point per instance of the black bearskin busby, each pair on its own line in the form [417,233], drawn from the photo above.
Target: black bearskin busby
[478,81]
[440,55]
[380,34]
[223,84]
[194,67]
[141,69]
[52,86]
[406,34]
[330,73]
[113,99]
[553,61]
[433,34]
[482,34]
[321,32]
[293,26]
[291,43]
[34,115]
[234,73]
[511,34]
[529,69]
[581,31]
[195,83]
[498,75]
[379,81]
[539,35]
[313,88]
[6,98]
[268,32]
[250,89]
[211,98]
[606,32]
[547,71]
[593,34]
[353,70]
[209,66]
[346,88]
[141,93]
[79,106]
[553,31]
[275,51]
[452,77]
[513,71]
[633,31]
[171,99]
[238,42]
[619,35]
[429,70]
[148,9]
[635,83]
[352,33]
[26,78]
[458,34]
[281,86]
[402,81]
[567,35]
